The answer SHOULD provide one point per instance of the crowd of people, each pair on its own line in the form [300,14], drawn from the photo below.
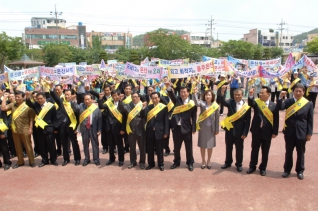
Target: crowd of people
[125,115]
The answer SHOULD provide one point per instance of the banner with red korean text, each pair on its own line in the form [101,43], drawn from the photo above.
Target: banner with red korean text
[144,72]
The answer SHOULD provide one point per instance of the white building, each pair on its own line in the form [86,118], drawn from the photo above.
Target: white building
[47,23]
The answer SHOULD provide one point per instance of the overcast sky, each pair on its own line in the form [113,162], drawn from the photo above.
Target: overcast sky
[232,18]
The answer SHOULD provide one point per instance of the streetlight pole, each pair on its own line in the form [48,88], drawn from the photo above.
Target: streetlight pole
[57,29]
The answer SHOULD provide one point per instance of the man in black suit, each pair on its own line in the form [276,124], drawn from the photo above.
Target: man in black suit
[68,126]
[183,125]
[135,129]
[298,128]
[126,100]
[157,128]
[46,117]
[264,127]
[5,122]
[107,96]
[115,125]
[239,130]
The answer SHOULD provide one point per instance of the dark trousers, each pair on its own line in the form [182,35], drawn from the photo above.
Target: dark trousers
[58,140]
[275,94]
[257,142]
[5,151]
[290,143]
[152,144]
[11,143]
[287,94]
[178,138]
[90,136]
[133,138]
[239,146]
[36,141]
[166,144]
[80,98]
[104,137]
[47,145]
[114,138]
[219,101]
[67,135]
[125,136]
[312,97]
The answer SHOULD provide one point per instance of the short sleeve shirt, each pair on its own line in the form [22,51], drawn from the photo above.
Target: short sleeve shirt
[22,122]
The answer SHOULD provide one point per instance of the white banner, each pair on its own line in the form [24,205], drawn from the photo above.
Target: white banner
[57,71]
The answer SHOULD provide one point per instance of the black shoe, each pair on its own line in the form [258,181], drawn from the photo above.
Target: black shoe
[104,151]
[250,170]
[97,163]
[58,154]
[142,166]
[17,166]
[132,165]
[203,167]
[149,167]
[225,166]
[162,168]
[121,163]
[25,154]
[36,155]
[167,153]
[43,164]
[285,174]
[209,167]
[190,167]
[86,162]
[77,162]
[174,166]
[7,167]
[12,156]
[109,162]
[55,163]
[65,163]
[300,176]
[0,164]
[239,168]
[262,172]
[32,165]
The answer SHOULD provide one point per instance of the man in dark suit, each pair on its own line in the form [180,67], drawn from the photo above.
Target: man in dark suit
[68,126]
[298,128]
[238,133]
[5,122]
[90,126]
[115,126]
[183,125]
[264,127]
[126,100]
[157,128]
[46,117]
[135,129]
[106,96]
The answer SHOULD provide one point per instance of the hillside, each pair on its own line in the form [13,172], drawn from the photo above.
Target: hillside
[303,36]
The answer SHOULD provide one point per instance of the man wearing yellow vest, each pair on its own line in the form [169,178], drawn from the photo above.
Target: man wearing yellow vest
[115,125]
[157,128]
[126,100]
[68,126]
[135,129]
[44,122]
[264,127]
[5,122]
[298,128]
[22,126]
[90,126]
[183,124]
[236,126]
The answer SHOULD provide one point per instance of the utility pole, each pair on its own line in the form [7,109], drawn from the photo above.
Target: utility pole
[57,29]
[281,24]
[211,28]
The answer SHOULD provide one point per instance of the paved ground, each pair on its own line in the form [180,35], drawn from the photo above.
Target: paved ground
[116,188]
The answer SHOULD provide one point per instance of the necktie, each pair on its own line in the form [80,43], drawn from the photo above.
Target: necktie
[88,122]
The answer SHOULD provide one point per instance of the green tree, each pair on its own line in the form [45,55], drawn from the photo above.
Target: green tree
[267,53]
[134,57]
[238,49]
[103,55]
[35,54]
[78,54]
[95,50]
[56,53]
[11,48]
[312,46]
[259,51]
[276,52]
[122,54]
